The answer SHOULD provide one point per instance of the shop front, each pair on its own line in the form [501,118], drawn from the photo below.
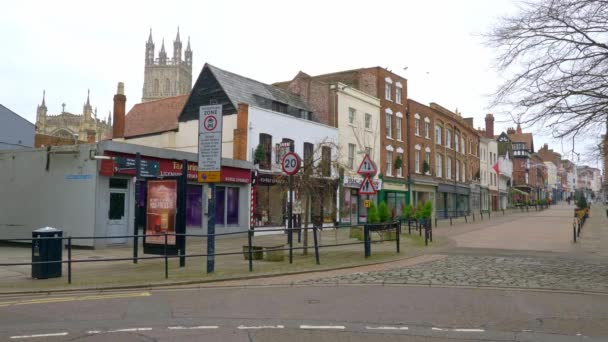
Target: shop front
[452,200]
[394,193]
[352,205]
[272,199]
[232,192]
[475,198]
[485,198]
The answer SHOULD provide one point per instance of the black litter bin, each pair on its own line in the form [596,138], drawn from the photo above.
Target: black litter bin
[49,248]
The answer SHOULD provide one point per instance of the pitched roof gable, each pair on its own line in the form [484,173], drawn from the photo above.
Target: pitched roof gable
[154,116]
[229,89]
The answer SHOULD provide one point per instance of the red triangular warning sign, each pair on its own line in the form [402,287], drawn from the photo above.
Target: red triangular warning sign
[367,166]
[367,187]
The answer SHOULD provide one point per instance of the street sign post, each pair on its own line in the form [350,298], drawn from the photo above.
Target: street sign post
[290,165]
[367,169]
[367,166]
[209,166]
[367,187]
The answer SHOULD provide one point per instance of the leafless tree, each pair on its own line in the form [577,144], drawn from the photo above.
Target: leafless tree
[554,55]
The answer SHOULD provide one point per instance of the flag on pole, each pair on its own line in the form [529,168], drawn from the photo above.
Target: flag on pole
[495,167]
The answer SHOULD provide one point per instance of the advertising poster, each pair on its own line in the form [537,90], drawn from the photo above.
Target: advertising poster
[161,211]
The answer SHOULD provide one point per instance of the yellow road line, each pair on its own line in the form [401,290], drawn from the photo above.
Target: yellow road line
[73,299]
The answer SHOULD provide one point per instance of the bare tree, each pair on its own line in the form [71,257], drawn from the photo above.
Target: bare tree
[554,54]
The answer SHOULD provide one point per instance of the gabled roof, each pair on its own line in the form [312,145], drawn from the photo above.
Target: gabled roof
[526,138]
[6,112]
[154,116]
[229,89]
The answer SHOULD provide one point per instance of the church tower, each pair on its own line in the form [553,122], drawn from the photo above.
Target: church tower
[41,112]
[164,77]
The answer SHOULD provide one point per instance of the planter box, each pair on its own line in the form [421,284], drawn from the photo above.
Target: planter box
[274,255]
[256,251]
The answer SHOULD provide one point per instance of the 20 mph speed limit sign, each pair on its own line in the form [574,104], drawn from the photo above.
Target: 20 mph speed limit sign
[290,163]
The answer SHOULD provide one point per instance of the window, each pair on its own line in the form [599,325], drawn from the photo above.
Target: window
[438,130]
[427,129]
[398,91]
[464,171]
[308,151]
[266,143]
[304,114]
[438,165]
[351,155]
[398,128]
[325,161]
[448,168]
[448,138]
[417,161]
[351,115]
[277,153]
[457,170]
[417,127]
[279,107]
[427,158]
[400,170]
[463,146]
[456,141]
[368,121]
[389,163]
[156,86]
[389,129]
[387,91]
[227,205]
[167,86]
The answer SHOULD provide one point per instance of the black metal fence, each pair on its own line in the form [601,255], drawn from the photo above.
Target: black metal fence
[67,243]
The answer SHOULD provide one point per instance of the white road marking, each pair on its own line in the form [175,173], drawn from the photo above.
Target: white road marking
[386,328]
[129,330]
[193,328]
[337,327]
[93,332]
[242,327]
[40,335]
[469,330]
[436,329]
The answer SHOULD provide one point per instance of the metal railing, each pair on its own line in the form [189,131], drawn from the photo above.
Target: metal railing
[67,243]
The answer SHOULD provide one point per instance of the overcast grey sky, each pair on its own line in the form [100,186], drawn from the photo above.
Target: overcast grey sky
[67,47]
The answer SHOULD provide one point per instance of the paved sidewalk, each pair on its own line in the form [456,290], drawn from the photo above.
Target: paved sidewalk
[594,234]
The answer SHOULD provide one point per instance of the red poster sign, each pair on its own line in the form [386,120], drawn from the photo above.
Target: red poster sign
[160,210]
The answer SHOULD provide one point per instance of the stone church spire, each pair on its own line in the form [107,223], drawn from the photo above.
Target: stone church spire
[41,112]
[87,110]
[177,48]
[162,55]
[150,50]
[188,54]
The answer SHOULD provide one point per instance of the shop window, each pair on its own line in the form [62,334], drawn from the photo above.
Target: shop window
[194,205]
[227,205]
[266,142]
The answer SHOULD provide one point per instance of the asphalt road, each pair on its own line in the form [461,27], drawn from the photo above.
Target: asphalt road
[308,313]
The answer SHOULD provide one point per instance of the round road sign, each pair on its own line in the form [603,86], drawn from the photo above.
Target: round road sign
[210,123]
[290,163]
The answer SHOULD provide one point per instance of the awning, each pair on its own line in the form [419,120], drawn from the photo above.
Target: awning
[520,192]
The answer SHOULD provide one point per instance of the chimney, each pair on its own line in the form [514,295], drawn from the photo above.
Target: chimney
[510,130]
[239,146]
[120,102]
[546,146]
[490,126]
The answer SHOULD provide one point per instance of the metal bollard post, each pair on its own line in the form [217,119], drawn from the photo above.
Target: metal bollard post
[250,251]
[431,234]
[366,241]
[473,214]
[398,229]
[574,231]
[579,229]
[69,260]
[481,215]
[409,225]
[426,236]
[450,221]
[314,235]
[166,258]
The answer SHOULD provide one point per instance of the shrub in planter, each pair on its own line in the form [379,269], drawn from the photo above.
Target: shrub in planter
[356,233]
[408,212]
[372,214]
[384,213]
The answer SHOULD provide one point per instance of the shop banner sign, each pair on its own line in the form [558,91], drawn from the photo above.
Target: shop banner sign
[147,168]
[161,210]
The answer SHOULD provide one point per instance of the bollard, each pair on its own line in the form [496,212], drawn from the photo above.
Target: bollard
[426,236]
[314,235]
[481,214]
[69,260]
[166,258]
[435,221]
[489,214]
[398,229]
[579,230]
[574,231]
[465,219]
[366,241]
[409,225]
[250,251]
[419,228]
[473,214]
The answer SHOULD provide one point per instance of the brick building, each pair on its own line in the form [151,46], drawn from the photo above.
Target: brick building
[378,82]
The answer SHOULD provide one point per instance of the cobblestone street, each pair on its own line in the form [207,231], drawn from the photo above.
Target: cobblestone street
[515,272]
